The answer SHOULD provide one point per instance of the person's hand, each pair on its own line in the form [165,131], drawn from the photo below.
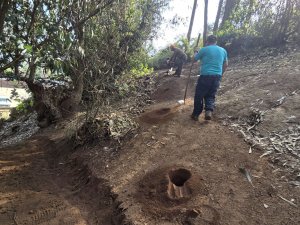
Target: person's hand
[195,53]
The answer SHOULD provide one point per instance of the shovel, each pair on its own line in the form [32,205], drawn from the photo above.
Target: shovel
[182,102]
[187,85]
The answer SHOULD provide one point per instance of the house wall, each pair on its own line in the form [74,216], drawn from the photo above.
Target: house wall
[7,93]
[4,113]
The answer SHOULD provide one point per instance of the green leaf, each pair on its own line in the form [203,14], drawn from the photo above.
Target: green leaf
[28,48]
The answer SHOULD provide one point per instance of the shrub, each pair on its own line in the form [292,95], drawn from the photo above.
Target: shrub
[24,107]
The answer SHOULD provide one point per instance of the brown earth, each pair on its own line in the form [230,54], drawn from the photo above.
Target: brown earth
[260,96]
[44,182]
[35,189]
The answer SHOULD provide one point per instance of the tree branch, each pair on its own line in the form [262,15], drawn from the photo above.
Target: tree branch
[80,23]
[91,14]
[4,6]
[21,57]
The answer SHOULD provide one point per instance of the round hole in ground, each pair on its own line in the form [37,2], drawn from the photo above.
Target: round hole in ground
[179,177]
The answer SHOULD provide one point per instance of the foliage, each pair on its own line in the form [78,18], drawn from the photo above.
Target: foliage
[24,107]
[158,61]
[189,47]
[110,126]
[119,120]
[87,43]
[138,64]
[252,23]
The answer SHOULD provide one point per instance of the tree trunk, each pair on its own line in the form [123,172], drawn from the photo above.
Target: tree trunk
[284,23]
[46,102]
[216,25]
[205,22]
[70,104]
[229,7]
[4,6]
[192,21]
[54,104]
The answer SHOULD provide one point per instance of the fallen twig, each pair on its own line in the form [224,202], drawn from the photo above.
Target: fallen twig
[15,218]
[247,174]
[288,201]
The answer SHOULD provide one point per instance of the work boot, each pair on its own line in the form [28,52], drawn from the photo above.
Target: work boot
[193,117]
[208,115]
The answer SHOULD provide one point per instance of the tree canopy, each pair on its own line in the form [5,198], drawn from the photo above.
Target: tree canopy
[87,43]
[252,23]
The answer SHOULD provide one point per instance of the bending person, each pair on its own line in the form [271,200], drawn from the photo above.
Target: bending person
[178,59]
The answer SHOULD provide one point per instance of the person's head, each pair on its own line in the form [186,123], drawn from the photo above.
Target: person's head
[211,40]
[172,47]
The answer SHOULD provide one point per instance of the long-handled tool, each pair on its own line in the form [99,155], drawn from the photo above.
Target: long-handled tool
[188,80]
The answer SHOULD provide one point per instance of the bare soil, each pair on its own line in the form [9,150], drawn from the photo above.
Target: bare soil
[37,188]
[260,95]
[44,181]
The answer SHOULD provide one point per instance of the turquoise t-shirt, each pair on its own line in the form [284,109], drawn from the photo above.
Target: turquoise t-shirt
[212,59]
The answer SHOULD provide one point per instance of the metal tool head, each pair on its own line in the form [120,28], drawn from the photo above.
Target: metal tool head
[180,102]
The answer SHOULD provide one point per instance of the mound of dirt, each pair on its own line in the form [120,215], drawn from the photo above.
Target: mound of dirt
[153,195]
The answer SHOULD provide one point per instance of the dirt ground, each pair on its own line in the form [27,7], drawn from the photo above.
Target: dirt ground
[260,96]
[35,189]
[44,181]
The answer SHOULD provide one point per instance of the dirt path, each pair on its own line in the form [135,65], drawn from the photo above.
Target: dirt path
[219,192]
[36,189]
[130,185]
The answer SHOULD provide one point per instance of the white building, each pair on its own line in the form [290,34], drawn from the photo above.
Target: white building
[6,102]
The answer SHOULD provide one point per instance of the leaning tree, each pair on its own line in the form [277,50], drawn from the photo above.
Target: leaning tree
[83,44]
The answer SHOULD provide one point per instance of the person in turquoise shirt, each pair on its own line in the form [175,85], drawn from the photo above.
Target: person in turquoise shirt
[214,62]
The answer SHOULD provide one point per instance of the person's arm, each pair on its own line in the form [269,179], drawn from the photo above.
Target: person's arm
[225,65]
[199,55]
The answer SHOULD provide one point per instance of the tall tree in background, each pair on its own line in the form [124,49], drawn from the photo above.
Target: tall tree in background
[230,5]
[205,22]
[192,20]
[284,23]
[216,25]
[247,24]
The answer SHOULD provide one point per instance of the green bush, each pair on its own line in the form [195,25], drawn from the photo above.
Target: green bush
[24,107]
[159,60]
[138,64]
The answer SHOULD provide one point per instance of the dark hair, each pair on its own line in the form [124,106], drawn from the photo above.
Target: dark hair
[212,39]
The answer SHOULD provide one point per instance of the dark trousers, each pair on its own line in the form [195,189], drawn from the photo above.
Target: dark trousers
[179,64]
[206,89]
